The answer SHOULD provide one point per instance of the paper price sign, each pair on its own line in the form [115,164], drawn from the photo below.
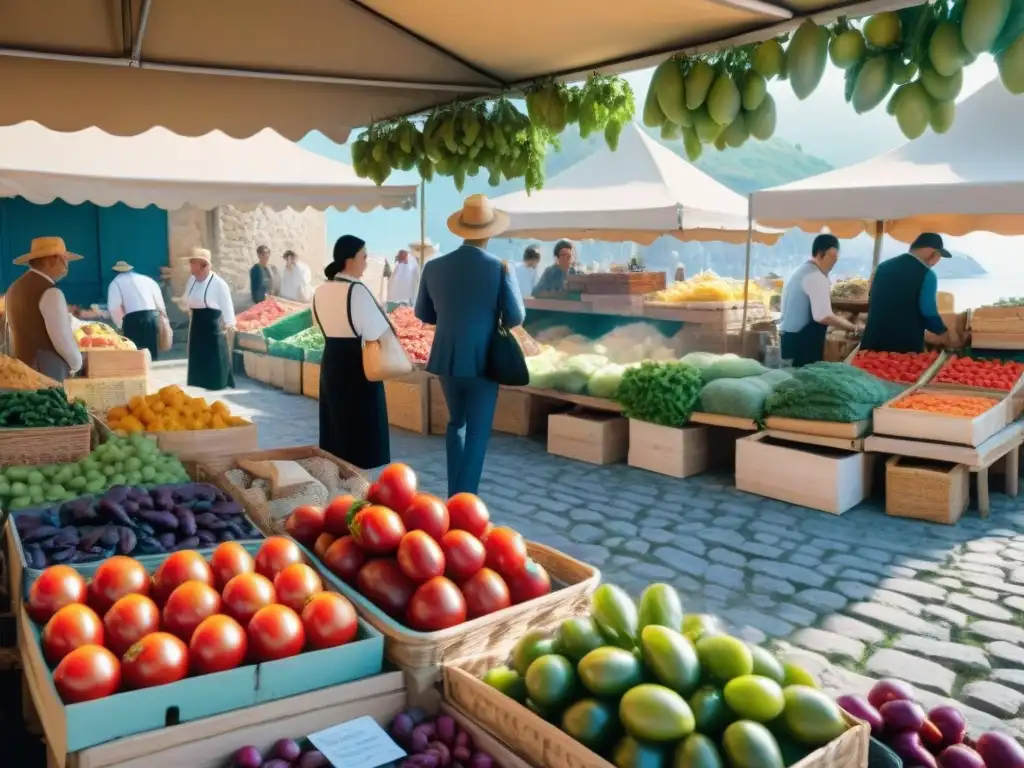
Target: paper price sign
[359,743]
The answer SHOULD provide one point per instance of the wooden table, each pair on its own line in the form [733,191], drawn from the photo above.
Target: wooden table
[1004,444]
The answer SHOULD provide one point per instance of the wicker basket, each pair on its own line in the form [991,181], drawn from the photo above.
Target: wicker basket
[259,513]
[44,445]
[311,380]
[926,490]
[408,400]
[547,746]
[103,394]
[573,582]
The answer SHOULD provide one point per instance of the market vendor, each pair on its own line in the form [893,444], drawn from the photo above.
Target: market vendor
[135,303]
[553,278]
[902,304]
[807,305]
[212,316]
[403,281]
[263,278]
[38,322]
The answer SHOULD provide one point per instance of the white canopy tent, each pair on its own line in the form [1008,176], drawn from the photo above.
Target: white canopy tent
[163,169]
[635,194]
[969,179]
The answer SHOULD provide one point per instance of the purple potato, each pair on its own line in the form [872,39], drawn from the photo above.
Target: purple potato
[110,536]
[40,533]
[206,538]
[210,521]
[480,760]
[902,715]
[247,757]
[126,541]
[68,536]
[90,537]
[62,555]
[442,749]
[401,729]
[1000,751]
[167,540]
[313,759]
[907,744]
[445,725]
[131,507]
[227,509]
[115,494]
[186,521]
[960,756]
[860,707]
[190,543]
[162,499]
[164,521]
[35,556]
[113,512]
[226,535]
[26,523]
[287,749]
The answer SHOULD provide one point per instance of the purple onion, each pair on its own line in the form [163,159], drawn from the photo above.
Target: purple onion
[442,750]
[313,759]
[287,749]
[248,757]
[446,729]
[480,760]
[401,729]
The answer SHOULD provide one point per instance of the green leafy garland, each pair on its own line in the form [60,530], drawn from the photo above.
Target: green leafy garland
[461,140]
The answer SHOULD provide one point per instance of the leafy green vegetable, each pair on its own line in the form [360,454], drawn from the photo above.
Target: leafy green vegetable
[660,393]
[744,398]
[830,392]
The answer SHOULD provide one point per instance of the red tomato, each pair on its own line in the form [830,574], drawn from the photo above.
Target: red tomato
[157,659]
[420,557]
[87,673]
[426,513]
[295,585]
[116,577]
[219,643]
[129,620]
[276,554]
[436,604]
[187,606]
[276,632]
[377,530]
[336,515]
[230,559]
[245,594]
[305,523]
[322,544]
[395,487]
[466,512]
[485,592]
[344,558]
[71,627]
[329,620]
[506,550]
[384,583]
[532,581]
[464,555]
[57,586]
[177,569]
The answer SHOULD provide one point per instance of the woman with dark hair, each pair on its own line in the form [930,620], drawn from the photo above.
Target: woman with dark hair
[353,412]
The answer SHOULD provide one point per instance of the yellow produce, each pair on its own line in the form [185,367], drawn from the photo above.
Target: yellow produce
[707,286]
[14,374]
[171,410]
[100,336]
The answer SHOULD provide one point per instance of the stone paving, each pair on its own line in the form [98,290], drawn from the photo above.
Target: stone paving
[854,598]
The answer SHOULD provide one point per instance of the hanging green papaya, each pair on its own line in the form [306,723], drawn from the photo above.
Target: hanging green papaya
[768,58]
[894,100]
[913,111]
[670,131]
[943,113]
[902,71]
[667,82]
[761,122]
[806,57]
[1011,66]
[705,126]
[945,51]
[698,82]
[753,90]
[720,144]
[653,116]
[723,100]
[692,144]
[883,30]
[736,134]
[938,87]
[981,24]
[847,48]
[873,84]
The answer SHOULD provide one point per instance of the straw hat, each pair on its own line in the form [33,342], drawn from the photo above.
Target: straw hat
[43,247]
[200,254]
[122,266]
[478,219]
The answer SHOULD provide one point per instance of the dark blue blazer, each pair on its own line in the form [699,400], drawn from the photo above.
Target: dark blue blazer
[459,293]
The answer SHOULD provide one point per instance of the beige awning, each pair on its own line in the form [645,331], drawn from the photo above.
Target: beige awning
[635,194]
[193,66]
[163,169]
[969,179]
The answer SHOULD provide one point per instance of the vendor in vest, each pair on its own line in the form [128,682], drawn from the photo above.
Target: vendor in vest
[135,303]
[902,303]
[212,313]
[807,305]
[38,323]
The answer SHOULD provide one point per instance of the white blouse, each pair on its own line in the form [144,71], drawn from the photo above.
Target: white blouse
[217,297]
[331,305]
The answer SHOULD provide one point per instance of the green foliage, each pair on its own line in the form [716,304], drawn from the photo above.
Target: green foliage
[829,392]
[660,393]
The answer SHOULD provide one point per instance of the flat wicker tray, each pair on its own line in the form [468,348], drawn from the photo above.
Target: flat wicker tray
[44,445]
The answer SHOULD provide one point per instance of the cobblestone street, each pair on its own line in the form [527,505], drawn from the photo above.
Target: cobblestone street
[855,597]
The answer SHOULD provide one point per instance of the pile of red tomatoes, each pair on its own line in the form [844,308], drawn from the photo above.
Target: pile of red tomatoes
[127,629]
[977,372]
[898,367]
[428,563]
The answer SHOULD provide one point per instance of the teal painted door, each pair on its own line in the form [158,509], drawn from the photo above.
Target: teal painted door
[133,235]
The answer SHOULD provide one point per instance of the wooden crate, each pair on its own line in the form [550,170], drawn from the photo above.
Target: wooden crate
[668,450]
[597,438]
[311,380]
[115,363]
[257,366]
[820,477]
[209,445]
[103,394]
[518,412]
[926,490]
[623,282]
[285,374]
[839,429]
[408,400]
[920,425]
[999,320]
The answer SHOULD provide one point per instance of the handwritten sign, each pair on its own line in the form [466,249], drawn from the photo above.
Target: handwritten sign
[359,743]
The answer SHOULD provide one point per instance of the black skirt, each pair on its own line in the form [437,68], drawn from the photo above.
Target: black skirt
[353,411]
[208,364]
[142,329]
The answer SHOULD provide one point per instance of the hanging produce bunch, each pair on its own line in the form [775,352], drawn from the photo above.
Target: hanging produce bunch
[464,139]
[913,57]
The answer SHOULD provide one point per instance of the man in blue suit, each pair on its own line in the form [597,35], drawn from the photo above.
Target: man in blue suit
[461,293]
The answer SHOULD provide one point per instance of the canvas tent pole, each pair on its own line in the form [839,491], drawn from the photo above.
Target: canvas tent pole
[423,223]
[877,255]
[746,272]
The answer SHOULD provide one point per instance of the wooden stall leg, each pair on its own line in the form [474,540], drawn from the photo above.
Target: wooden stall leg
[1013,472]
[983,502]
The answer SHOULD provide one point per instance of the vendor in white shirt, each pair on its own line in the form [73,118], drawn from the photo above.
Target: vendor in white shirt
[807,305]
[526,271]
[135,303]
[295,280]
[38,322]
[208,301]
[403,281]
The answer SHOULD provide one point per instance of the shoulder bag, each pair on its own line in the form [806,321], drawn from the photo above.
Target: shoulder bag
[164,335]
[383,358]
[506,363]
